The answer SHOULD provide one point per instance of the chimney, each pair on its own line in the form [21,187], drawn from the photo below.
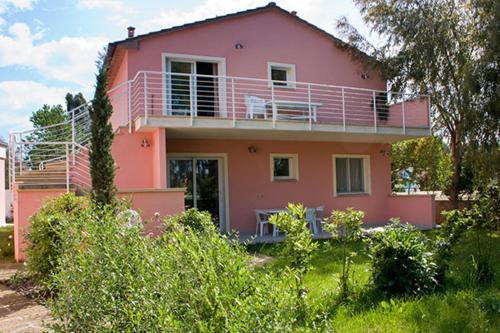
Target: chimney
[131,31]
[294,13]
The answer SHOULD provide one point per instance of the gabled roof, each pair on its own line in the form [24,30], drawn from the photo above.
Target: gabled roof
[270,6]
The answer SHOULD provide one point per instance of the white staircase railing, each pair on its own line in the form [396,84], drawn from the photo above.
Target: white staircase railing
[54,156]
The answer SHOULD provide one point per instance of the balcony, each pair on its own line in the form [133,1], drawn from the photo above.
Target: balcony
[191,105]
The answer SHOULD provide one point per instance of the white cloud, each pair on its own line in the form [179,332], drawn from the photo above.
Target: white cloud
[67,59]
[109,4]
[18,99]
[19,4]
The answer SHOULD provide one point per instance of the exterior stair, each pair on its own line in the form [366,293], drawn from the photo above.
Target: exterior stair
[53,176]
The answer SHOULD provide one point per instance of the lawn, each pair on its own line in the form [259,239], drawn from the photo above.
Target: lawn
[459,308]
[6,244]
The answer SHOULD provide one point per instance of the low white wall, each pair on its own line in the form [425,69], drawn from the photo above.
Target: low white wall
[8,203]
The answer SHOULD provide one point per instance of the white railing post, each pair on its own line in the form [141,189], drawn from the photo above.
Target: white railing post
[129,92]
[374,112]
[21,145]
[67,168]
[343,108]
[191,97]
[309,104]
[403,114]
[146,97]
[73,135]
[273,106]
[233,102]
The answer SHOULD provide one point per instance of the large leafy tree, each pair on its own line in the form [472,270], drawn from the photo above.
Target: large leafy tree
[51,123]
[102,166]
[430,47]
[482,155]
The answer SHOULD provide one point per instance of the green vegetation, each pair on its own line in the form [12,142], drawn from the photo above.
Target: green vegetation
[430,160]
[102,165]
[6,243]
[45,245]
[345,226]
[449,50]
[462,307]
[114,279]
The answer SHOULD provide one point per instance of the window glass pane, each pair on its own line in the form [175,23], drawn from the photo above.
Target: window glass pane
[281,167]
[341,175]
[180,174]
[356,174]
[278,74]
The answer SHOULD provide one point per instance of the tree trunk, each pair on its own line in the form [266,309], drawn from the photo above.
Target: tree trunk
[456,157]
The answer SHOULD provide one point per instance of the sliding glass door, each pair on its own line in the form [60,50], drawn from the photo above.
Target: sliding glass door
[203,179]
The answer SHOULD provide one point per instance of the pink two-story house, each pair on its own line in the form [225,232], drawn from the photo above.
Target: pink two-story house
[251,111]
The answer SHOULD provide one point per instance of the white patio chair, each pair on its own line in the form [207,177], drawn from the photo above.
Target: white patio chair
[311,220]
[320,210]
[262,219]
[256,106]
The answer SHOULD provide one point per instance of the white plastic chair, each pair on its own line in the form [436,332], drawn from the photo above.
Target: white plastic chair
[262,219]
[319,217]
[311,220]
[255,106]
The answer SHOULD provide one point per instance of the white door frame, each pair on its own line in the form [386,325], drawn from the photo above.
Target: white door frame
[223,181]
[166,58]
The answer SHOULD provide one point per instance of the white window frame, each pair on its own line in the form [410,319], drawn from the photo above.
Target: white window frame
[293,166]
[366,174]
[290,74]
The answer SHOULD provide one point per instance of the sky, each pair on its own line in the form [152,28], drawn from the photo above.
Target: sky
[49,47]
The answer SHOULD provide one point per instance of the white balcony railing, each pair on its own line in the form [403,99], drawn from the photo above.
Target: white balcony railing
[154,94]
[55,156]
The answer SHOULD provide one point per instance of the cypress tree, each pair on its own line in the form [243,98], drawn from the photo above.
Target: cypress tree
[102,168]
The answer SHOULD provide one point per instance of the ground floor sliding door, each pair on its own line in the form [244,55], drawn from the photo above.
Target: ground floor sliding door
[203,177]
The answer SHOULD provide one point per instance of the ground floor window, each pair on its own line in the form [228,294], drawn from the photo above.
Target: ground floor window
[284,167]
[351,174]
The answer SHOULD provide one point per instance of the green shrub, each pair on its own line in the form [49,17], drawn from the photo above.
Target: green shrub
[400,261]
[117,280]
[452,230]
[298,244]
[345,226]
[194,219]
[44,237]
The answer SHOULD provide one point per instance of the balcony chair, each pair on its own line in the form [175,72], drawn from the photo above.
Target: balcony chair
[256,106]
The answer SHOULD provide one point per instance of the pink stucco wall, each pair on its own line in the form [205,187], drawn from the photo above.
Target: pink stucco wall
[414,209]
[27,203]
[250,186]
[138,166]
[267,36]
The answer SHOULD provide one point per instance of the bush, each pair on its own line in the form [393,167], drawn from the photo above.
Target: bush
[44,238]
[117,280]
[400,262]
[298,244]
[345,226]
[452,230]
[193,218]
